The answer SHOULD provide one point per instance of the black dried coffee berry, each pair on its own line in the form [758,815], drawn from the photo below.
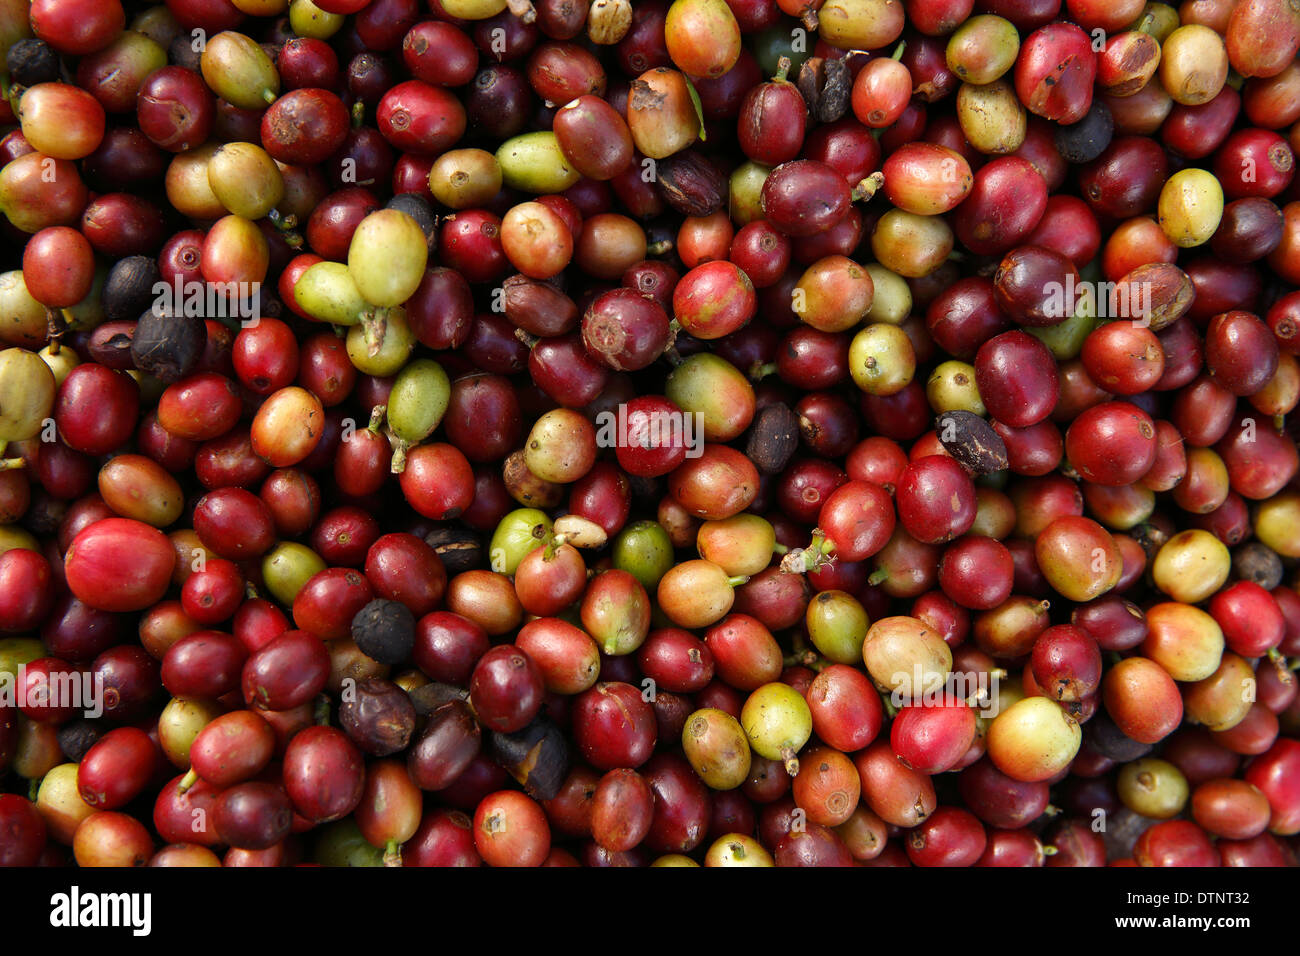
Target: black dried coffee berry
[419,209]
[78,736]
[1259,563]
[168,346]
[1108,740]
[972,441]
[459,548]
[537,757]
[129,288]
[1084,141]
[773,438]
[385,631]
[29,62]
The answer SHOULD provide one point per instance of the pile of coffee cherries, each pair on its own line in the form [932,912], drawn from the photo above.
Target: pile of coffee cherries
[649,432]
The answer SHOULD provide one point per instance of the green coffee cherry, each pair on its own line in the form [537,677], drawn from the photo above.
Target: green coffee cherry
[417,403]
[951,387]
[287,567]
[341,844]
[308,20]
[837,625]
[237,69]
[881,359]
[387,257]
[644,550]
[534,163]
[327,293]
[381,346]
[517,535]
[778,723]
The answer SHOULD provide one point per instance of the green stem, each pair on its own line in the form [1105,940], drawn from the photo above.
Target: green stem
[377,417]
[790,760]
[400,447]
[869,186]
[823,545]
[281,221]
[820,550]
[737,581]
[898,51]
[190,779]
[392,854]
[553,545]
[782,70]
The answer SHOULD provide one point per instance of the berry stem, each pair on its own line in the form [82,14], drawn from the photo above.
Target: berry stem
[869,186]
[790,760]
